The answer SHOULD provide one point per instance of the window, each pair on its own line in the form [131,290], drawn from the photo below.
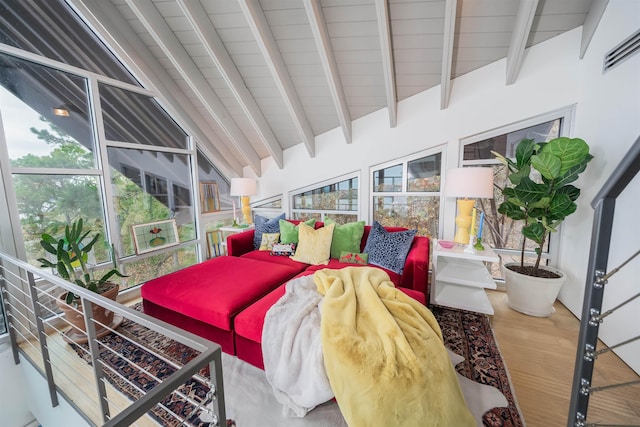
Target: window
[500,232]
[337,199]
[406,193]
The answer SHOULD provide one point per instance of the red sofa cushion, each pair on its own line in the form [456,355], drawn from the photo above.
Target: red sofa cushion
[282,260]
[250,321]
[216,290]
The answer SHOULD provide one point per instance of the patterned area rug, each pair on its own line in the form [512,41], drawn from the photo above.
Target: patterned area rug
[470,336]
[158,368]
[466,334]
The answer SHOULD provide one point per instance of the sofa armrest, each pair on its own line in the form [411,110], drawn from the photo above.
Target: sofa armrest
[416,267]
[240,243]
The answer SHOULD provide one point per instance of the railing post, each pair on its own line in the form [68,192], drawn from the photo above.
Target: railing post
[218,405]
[44,348]
[87,309]
[591,308]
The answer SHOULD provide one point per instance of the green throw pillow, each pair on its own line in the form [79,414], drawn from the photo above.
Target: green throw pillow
[289,231]
[346,237]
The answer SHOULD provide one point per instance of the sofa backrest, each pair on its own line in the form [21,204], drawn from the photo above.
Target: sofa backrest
[365,236]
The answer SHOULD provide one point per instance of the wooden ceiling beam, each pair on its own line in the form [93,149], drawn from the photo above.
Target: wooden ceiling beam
[519,37]
[447,51]
[261,30]
[197,16]
[384,31]
[108,23]
[321,37]
[155,24]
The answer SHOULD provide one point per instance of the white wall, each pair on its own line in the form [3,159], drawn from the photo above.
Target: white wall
[608,117]
[14,409]
[552,77]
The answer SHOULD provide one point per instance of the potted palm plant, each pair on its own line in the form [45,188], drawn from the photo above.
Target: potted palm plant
[71,256]
[542,197]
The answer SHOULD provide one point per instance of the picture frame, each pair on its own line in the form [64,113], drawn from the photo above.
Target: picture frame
[152,236]
[209,197]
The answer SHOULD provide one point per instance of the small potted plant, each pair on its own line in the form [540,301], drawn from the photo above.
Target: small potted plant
[542,197]
[71,256]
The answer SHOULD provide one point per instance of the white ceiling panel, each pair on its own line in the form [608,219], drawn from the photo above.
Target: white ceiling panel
[482,34]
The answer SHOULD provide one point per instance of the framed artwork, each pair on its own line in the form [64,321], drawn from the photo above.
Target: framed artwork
[209,198]
[154,235]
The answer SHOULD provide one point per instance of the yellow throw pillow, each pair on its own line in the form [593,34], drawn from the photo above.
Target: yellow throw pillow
[314,246]
[268,240]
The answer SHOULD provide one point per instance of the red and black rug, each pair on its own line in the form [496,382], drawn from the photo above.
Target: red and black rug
[465,333]
[470,336]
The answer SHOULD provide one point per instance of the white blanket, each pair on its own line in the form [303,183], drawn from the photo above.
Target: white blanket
[292,351]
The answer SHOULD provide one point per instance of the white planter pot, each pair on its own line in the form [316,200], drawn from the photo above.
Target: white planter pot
[532,295]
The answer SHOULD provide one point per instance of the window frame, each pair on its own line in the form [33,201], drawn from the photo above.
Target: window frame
[291,194]
[404,161]
[566,115]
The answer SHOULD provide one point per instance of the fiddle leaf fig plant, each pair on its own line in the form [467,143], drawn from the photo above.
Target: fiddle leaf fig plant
[71,256]
[541,194]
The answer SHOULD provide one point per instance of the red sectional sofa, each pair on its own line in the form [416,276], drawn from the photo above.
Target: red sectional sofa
[225,299]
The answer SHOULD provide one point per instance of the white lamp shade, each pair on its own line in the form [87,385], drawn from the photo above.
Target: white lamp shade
[472,182]
[243,187]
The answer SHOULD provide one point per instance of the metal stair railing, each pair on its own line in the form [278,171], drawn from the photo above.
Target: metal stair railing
[33,324]
[597,277]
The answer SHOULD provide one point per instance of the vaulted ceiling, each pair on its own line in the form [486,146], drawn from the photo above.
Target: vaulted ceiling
[256,77]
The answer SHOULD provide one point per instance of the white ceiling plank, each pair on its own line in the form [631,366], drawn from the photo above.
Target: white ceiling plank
[321,36]
[146,12]
[447,51]
[591,23]
[259,26]
[107,21]
[382,10]
[515,55]
[212,43]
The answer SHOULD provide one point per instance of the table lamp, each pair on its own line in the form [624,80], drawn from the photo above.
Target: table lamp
[467,184]
[244,187]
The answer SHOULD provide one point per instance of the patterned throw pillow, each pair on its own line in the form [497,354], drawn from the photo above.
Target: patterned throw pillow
[353,257]
[388,249]
[268,240]
[283,249]
[289,230]
[314,246]
[346,237]
[265,225]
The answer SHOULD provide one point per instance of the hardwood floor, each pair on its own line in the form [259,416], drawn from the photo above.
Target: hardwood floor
[540,356]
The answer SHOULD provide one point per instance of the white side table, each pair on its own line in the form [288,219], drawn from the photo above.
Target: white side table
[224,231]
[460,278]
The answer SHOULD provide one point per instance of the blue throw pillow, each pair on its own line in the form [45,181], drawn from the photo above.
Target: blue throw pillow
[265,225]
[388,249]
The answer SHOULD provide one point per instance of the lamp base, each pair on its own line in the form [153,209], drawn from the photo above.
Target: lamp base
[463,221]
[246,209]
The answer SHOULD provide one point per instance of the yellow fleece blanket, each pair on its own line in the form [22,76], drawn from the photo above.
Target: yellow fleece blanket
[384,354]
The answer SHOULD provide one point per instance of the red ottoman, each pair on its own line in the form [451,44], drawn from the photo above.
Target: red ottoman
[204,298]
[249,323]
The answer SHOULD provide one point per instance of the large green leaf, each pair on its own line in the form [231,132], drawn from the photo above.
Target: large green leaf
[572,174]
[570,151]
[569,190]
[516,177]
[511,210]
[547,164]
[529,191]
[535,232]
[561,207]
[524,151]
